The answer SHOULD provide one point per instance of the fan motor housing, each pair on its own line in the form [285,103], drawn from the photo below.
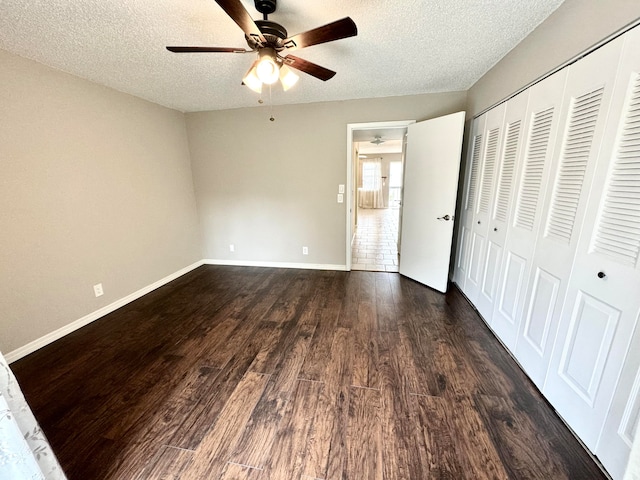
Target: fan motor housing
[266,7]
[274,29]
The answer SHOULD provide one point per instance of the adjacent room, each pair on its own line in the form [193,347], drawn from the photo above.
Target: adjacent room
[367,240]
[378,181]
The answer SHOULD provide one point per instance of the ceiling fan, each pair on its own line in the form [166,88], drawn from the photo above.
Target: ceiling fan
[272,43]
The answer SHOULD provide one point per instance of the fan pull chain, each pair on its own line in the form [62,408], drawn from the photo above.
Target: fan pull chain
[272,118]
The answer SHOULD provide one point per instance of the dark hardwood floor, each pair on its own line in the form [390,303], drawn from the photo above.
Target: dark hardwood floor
[257,373]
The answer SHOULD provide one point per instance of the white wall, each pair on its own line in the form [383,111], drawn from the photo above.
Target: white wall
[95,187]
[270,188]
[575,26]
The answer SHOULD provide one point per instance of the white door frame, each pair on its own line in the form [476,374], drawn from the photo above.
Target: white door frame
[351,127]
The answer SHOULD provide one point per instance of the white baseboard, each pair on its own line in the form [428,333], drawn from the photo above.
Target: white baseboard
[251,263]
[31,347]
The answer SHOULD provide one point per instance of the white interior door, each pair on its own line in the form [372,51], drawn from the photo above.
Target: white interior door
[431,173]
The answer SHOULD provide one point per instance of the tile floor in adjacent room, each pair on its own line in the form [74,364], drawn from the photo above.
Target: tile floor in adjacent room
[374,246]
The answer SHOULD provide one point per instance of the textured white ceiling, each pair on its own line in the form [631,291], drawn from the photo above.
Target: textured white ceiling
[403,47]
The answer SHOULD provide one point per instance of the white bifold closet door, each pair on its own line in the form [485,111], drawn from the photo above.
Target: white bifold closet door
[602,305]
[581,125]
[621,423]
[487,171]
[543,111]
[472,169]
[498,223]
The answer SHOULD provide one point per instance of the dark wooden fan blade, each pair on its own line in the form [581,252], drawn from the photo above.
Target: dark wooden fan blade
[239,14]
[207,49]
[312,69]
[327,33]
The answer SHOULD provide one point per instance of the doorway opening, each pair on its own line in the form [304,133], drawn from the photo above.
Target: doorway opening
[375,166]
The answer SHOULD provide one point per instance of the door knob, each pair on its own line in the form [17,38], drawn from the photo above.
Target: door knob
[446,218]
[601,274]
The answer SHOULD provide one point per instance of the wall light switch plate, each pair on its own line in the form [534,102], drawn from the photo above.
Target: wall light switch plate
[341,188]
[232,248]
[97,289]
[340,198]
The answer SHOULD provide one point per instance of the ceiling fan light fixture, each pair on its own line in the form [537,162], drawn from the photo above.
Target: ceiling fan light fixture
[267,69]
[251,79]
[377,140]
[288,78]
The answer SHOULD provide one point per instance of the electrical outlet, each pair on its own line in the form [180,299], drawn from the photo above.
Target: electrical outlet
[232,248]
[97,289]
[305,250]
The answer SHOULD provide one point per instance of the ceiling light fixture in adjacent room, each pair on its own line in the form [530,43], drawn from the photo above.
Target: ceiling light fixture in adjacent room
[377,140]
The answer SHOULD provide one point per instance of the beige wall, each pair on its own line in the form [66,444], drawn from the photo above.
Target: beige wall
[575,26]
[270,188]
[95,187]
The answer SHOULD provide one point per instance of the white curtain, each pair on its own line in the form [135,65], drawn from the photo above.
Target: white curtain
[25,453]
[633,467]
[370,195]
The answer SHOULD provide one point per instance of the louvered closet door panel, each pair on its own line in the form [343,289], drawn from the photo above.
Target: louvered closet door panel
[469,202]
[500,210]
[582,121]
[532,172]
[602,304]
[482,211]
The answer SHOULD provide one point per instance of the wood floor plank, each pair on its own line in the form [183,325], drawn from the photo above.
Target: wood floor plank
[200,419]
[349,309]
[162,421]
[365,347]
[405,454]
[327,449]
[290,449]
[234,471]
[231,368]
[437,432]
[364,435]
[211,456]
[169,464]
[320,349]
[522,452]
[255,444]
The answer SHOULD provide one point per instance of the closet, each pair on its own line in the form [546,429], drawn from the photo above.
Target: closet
[549,243]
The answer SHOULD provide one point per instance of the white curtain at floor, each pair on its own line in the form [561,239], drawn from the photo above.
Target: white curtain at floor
[633,467]
[25,453]
[370,195]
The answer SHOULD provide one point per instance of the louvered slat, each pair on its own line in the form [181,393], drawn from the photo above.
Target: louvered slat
[506,171]
[534,167]
[573,165]
[618,233]
[488,169]
[475,164]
